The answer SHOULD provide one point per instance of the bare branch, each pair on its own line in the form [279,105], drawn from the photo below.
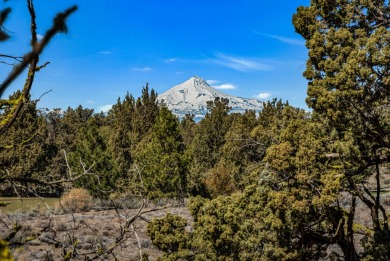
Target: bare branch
[43,94]
[16,58]
[58,26]
[139,243]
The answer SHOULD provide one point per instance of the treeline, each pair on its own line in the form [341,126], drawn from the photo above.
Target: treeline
[139,147]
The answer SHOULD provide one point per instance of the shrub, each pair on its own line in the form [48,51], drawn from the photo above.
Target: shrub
[76,200]
[168,233]
[220,180]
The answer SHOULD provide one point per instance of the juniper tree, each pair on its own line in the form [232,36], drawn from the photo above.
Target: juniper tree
[121,141]
[91,152]
[129,121]
[348,70]
[205,149]
[161,158]
[26,150]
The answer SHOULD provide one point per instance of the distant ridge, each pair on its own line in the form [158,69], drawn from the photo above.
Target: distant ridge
[191,96]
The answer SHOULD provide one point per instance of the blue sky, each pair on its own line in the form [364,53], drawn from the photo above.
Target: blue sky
[245,48]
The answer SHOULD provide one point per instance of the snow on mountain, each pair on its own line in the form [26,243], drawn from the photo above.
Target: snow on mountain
[191,96]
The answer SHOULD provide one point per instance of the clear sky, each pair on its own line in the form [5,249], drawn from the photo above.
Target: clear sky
[246,48]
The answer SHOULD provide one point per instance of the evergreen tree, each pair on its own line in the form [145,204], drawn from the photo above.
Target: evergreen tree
[121,141]
[63,130]
[348,71]
[161,158]
[130,121]
[91,151]
[146,111]
[72,122]
[25,152]
[270,123]
[188,128]
[238,152]
[240,149]
[206,146]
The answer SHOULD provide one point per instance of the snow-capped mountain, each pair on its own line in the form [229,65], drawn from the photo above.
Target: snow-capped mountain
[192,95]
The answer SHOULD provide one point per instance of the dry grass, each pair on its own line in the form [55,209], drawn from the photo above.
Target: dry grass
[76,200]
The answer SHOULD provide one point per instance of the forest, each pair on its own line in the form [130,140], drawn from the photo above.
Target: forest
[283,184]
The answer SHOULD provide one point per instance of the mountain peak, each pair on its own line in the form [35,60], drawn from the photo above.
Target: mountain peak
[191,96]
[198,79]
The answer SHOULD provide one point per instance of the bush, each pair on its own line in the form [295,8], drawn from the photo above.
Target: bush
[168,234]
[76,200]
[220,180]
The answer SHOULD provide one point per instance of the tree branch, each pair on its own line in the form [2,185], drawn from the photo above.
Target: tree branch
[31,59]
[57,27]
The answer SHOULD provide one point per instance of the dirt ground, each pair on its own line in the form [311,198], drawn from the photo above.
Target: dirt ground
[83,236]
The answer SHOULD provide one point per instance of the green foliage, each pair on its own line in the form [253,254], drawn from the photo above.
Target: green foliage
[347,70]
[168,233]
[376,247]
[91,151]
[161,158]
[188,129]
[206,146]
[63,130]
[348,74]
[270,123]
[288,213]
[121,138]
[244,226]
[72,121]
[26,151]
[130,121]
[274,183]
[240,150]
[147,110]
[239,147]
